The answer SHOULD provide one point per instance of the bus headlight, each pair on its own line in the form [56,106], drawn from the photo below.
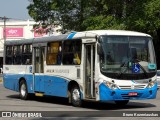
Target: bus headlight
[110,85]
[151,83]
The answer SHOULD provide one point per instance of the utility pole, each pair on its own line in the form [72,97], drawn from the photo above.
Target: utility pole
[4,33]
[4,29]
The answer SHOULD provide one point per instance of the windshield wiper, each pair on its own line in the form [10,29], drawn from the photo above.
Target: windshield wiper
[121,66]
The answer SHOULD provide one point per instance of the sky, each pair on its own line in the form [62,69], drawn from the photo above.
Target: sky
[16,9]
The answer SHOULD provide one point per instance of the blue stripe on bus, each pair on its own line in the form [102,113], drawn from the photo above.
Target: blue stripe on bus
[70,36]
[11,81]
[49,85]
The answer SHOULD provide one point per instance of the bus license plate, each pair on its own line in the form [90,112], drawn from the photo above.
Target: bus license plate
[132,94]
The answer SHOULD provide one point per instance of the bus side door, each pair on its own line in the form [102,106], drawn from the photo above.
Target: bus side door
[89,70]
[38,74]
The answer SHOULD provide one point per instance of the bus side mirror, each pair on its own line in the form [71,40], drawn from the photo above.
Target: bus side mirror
[99,49]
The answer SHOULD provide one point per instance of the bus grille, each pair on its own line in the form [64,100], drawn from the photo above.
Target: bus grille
[127,97]
[132,87]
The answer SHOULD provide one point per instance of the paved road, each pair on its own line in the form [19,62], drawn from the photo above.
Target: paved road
[10,101]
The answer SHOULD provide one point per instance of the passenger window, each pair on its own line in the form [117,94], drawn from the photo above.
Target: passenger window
[72,52]
[17,54]
[9,54]
[27,54]
[54,53]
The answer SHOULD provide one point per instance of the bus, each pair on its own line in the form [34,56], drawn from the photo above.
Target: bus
[97,65]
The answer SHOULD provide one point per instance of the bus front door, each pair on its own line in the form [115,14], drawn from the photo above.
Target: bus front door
[39,53]
[89,71]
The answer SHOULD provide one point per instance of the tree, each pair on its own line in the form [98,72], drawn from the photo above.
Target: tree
[42,10]
[78,15]
[97,14]
[70,13]
[105,15]
[102,22]
[152,21]
[152,13]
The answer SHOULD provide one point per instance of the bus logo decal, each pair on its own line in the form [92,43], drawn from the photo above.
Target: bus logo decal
[30,69]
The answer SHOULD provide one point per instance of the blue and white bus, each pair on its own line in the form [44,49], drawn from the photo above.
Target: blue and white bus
[100,65]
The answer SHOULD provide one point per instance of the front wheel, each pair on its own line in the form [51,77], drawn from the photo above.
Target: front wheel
[76,97]
[121,102]
[23,91]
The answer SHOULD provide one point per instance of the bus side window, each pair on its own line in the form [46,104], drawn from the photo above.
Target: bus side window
[67,54]
[27,54]
[77,52]
[72,52]
[9,55]
[17,54]
[54,54]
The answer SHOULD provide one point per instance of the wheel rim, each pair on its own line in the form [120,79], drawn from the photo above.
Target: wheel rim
[76,95]
[23,90]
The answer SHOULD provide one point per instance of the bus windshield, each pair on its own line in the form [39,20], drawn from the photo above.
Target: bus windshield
[126,56]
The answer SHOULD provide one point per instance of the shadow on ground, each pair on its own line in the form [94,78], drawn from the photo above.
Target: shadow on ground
[89,105]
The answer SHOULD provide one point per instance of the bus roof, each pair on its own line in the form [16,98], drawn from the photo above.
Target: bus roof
[76,35]
[118,32]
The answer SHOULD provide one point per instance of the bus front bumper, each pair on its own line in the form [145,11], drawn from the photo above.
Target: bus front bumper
[107,94]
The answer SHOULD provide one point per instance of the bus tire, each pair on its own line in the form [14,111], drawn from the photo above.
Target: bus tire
[76,96]
[23,91]
[121,102]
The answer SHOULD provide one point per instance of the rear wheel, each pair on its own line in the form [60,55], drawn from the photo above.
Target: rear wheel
[23,91]
[121,102]
[76,97]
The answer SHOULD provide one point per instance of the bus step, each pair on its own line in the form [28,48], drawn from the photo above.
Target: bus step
[90,99]
[39,94]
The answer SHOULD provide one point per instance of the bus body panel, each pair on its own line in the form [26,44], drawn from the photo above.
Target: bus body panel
[39,83]
[14,73]
[50,82]
[49,85]
[55,86]
[11,81]
[108,94]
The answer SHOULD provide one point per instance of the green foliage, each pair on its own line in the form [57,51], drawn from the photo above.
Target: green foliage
[98,14]
[102,22]
[41,10]
[78,15]
[152,12]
